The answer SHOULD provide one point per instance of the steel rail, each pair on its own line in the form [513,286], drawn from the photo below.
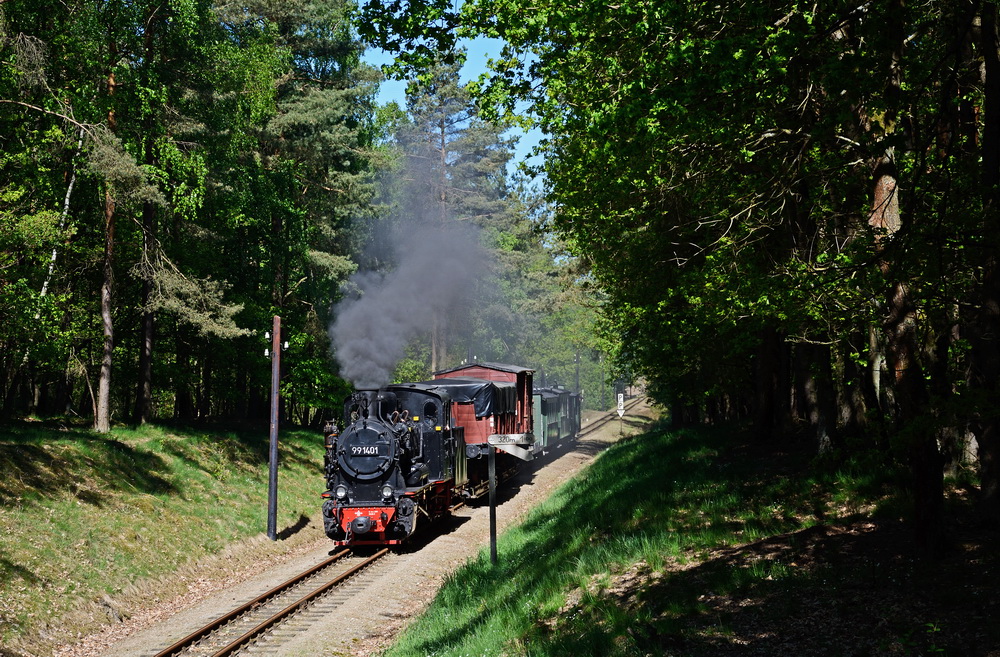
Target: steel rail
[236,645]
[606,418]
[219,622]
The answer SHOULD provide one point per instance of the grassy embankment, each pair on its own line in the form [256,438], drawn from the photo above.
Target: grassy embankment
[688,544]
[91,526]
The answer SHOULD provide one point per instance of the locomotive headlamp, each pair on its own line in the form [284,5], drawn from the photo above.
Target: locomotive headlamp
[387,491]
[341,492]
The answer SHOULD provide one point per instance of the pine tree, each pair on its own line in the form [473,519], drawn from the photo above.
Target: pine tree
[455,172]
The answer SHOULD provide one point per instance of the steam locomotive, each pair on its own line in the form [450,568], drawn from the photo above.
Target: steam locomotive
[408,451]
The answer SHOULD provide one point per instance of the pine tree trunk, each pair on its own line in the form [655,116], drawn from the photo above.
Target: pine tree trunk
[102,415]
[183,399]
[909,389]
[817,397]
[899,327]
[206,389]
[767,391]
[102,419]
[855,394]
[986,341]
[911,401]
[907,380]
[143,410]
[435,345]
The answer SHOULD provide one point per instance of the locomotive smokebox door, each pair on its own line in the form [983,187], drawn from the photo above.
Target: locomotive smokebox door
[365,452]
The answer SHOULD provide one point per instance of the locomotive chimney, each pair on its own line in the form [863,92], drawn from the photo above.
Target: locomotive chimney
[363,401]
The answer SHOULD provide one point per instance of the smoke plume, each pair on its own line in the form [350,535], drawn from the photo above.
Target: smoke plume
[436,270]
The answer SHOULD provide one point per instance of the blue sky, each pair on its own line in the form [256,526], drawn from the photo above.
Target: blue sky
[479,51]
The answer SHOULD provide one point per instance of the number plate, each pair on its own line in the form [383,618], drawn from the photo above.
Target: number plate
[369,450]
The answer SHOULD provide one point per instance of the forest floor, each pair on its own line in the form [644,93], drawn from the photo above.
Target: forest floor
[854,584]
[726,549]
[845,587]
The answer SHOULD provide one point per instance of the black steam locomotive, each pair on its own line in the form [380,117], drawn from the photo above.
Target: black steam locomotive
[396,455]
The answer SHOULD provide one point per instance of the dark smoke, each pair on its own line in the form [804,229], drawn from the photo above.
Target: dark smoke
[435,273]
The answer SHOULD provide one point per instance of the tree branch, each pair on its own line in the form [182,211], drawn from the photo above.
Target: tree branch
[83,126]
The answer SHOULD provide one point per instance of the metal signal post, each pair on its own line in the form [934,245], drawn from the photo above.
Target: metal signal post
[272,488]
[621,412]
[492,459]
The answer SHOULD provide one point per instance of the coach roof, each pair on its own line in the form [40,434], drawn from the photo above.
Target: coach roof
[487,397]
[500,367]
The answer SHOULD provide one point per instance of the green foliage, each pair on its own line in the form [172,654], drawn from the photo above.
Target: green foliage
[410,369]
[712,164]
[310,381]
[446,163]
[236,143]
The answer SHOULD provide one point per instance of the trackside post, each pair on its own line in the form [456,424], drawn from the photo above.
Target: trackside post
[508,443]
[272,487]
[492,464]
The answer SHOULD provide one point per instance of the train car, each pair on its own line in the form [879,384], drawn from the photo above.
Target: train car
[515,420]
[557,416]
[574,414]
[408,450]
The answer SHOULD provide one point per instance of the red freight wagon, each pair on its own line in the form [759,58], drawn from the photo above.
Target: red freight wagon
[510,412]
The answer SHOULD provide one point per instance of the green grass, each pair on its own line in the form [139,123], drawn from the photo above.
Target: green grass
[83,515]
[672,544]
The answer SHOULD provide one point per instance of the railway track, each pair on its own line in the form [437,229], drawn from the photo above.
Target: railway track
[254,626]
[610,416]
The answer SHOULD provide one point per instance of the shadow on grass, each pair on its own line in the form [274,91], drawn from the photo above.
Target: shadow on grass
[643,551]
[84,466]
[41,461]
[818,591]
[294,529]
[10,571]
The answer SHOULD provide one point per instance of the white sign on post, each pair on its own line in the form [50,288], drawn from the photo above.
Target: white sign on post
[510,443]
[621,404]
